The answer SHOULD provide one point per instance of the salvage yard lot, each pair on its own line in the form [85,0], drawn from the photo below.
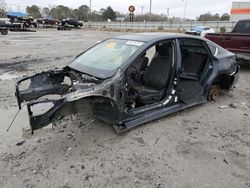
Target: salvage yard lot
[204,146]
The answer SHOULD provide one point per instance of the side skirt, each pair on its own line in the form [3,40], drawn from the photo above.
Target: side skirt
[153,115]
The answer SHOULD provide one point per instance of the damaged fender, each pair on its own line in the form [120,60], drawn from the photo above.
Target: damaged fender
[75,97]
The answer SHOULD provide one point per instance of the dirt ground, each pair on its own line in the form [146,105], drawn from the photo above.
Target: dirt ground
[205,146]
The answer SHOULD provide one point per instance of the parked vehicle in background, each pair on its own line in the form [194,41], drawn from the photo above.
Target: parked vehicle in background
[200,31]
[48,21]
[3,28]
[129,80]
[22,18]
[237,41]
[71,22]
[6,26]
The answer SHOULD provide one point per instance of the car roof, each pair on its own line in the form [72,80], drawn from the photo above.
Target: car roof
[201,26]
[153,36]
[244,20]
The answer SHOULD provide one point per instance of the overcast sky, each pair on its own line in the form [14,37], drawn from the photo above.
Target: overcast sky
[176,7]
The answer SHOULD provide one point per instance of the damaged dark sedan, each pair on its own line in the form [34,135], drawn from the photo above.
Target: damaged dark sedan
[129,80]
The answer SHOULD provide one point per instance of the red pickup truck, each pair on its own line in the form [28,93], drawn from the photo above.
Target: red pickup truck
[237,41]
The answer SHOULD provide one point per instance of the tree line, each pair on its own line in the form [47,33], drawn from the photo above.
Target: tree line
[83,13]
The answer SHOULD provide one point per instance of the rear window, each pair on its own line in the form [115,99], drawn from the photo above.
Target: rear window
[242,27]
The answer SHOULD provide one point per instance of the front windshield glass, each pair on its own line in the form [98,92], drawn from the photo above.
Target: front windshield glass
[106,57]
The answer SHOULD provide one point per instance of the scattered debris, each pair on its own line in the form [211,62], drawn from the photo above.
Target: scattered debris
[66,186]
[69,149]
[243,103]
[88,176]
[160,185]
[232,105]
[38,140]
[20,143]
[61,130]
[140,140]
[129,169]
[225,161]
[223,107]
[82,167]
[136,181]
[70,136]
[156,141]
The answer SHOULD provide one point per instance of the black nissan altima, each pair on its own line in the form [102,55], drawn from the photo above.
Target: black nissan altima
[131,79]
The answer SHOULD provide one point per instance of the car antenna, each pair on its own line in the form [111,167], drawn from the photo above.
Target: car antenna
[14,118]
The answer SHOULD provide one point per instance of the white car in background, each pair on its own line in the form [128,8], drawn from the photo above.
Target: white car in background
[200,31]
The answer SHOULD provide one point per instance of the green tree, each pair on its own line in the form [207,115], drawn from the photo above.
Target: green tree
[109,13]
[46,11]
[61,12]
[2,13]
[34,11]
[2,9]
[95,16]
[83,12]
[209,17]
[225,17]
[75,14]
[217,17]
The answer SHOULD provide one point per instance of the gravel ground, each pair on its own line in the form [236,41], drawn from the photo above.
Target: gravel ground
[204,146]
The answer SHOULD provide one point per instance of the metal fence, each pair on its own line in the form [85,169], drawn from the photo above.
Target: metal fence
[167,26]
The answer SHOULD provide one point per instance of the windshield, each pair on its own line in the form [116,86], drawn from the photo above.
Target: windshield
[105,58]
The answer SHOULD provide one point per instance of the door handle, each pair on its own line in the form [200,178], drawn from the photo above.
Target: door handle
[227,38]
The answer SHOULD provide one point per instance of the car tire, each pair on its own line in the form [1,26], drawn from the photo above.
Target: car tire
[4,31]
[35,25]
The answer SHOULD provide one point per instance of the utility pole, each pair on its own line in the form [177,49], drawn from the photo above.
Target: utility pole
[90,6]
[150,10]
[150,7]
[168,13]
[185,7]
[90,10]
[142,7]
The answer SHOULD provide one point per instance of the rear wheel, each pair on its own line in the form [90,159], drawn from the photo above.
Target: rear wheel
[214,92]
[4,31]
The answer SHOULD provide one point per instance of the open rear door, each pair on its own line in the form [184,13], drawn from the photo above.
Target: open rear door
[192,67]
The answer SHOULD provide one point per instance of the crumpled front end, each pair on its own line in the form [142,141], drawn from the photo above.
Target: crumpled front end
[60,93]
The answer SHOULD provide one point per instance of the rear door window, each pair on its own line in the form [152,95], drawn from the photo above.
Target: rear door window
[242,27]
[194,57]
